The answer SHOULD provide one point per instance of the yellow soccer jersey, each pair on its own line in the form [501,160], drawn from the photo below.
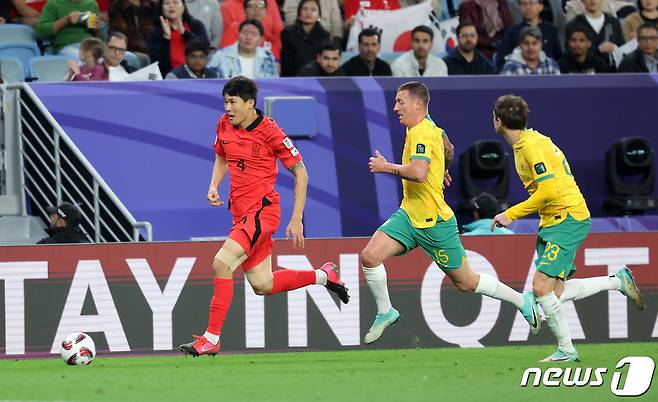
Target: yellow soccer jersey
[545,173]
[424,202]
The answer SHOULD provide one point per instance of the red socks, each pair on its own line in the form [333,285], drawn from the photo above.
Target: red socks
[290,279]
[220,304]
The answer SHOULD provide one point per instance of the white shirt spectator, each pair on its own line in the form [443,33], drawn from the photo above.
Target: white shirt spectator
[407,66]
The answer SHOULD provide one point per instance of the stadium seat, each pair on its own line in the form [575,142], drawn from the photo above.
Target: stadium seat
[296,115]
[12,70]
[49,68]
[22,51]
[389,57]
[16,33]
[132,60]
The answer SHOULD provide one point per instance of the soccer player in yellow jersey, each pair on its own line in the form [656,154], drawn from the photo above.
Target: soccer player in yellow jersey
[424,219]
[564,224]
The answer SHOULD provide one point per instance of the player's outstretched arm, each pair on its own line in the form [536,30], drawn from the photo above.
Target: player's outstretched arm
[416,170]
[218,174]
[295,229]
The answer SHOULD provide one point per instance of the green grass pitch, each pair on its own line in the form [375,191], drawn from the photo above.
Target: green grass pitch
[450,374]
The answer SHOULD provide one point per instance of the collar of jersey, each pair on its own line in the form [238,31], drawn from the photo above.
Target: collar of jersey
[256,122]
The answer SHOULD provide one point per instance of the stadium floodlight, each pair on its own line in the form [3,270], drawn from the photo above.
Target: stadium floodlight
[484,167]
[631,174]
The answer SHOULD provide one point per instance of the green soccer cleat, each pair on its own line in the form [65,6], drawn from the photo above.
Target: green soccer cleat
[530,312]
[629,288]
[382,321]
[561,357]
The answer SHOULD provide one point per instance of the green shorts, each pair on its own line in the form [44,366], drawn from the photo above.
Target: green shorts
[441,242]
[557,246]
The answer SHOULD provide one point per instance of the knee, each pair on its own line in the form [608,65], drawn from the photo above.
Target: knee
[369,259]
[221,269]
[541,289]
[262,289]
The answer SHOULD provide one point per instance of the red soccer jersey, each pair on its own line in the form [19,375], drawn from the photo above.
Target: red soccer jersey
[251,154]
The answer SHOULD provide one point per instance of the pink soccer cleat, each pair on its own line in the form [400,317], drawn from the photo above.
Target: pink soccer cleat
[199,347]
[333,281]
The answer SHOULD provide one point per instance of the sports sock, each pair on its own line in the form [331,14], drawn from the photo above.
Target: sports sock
[492,287]
[290,279]
[219,306]
[576,289]
[376,278]
[320,277]
[557,321]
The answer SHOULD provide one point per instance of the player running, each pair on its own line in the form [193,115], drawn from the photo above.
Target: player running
[564,225]
[424,219]
[249,144]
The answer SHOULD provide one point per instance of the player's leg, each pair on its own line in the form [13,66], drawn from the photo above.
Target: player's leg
[392,238]
[622,280]
[227,259]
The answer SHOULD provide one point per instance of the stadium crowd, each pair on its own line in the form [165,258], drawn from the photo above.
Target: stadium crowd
[108,39]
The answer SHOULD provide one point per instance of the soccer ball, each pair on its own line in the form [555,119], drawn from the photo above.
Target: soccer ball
[77,349]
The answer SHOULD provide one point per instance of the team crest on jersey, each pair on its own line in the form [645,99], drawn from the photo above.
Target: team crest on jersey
[540,168]
[255,150]
[420,148]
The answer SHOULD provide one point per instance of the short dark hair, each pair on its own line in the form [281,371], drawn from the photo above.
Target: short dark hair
[647,25]
[417,90]
[463,25]
[369,32]
[301,4]
[241,86]
[254,22]
[119,35]
[530,31]
[423,29]
[331,46]
[246,3]
[577,28]
[512,111]
[196,45]
[486,205]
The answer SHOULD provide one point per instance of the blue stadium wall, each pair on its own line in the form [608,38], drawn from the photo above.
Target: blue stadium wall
[151,140]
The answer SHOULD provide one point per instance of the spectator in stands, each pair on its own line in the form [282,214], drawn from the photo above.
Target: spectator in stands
[326,64]
[579,58]
[530,9]
[643,59]
[602,28]
[300,42]
[330,19]
[64,225]
[135,19]
[245,57]
[485,207]
[92,51]
[267,11]
[207,11]
[528,58]
[466,59]
[491,19]
[115,49]
[196,60]
[419,61]
[366,63]
[647,13]
[66,23]
[576,7]
[175,29]
[25,12]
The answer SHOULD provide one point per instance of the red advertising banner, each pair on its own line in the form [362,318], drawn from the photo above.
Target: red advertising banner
[151,297]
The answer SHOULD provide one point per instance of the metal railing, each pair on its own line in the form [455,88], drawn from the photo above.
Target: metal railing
[54,170]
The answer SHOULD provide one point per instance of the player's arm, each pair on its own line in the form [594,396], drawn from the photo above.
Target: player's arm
[295,228]
[218,174]
[545,194]
[448,149]
[416,170]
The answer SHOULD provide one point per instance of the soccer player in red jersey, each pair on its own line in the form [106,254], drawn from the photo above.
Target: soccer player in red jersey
[248,146]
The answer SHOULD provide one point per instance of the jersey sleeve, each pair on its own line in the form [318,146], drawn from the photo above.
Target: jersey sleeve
[284,149]
[421,144]
[217,146]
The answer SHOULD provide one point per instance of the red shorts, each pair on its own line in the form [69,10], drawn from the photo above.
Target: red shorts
[254,233]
